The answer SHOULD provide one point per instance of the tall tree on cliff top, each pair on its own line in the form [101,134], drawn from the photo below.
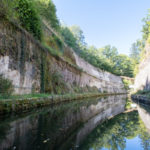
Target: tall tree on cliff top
[136,49]
[146,26]
[109,52]
[47,11]
[78,34]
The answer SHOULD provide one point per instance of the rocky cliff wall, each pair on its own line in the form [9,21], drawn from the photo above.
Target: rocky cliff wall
[142,80]
[30,66]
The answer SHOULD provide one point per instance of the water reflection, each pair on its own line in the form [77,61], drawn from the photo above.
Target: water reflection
[60,127]
[144,112]
[124,132]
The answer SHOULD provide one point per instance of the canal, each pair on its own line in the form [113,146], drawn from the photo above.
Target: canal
[91,124]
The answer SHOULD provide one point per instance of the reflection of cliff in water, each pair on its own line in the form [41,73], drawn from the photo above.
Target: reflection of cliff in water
[123,132]
[144,113]
[108,108]
[47,129]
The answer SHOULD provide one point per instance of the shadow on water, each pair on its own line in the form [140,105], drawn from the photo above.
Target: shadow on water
[60,127]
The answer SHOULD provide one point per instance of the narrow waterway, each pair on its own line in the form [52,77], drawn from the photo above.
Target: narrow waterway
[92,124]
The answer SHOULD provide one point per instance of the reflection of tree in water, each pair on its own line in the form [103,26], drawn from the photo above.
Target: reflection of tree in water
[145,138]
[113,133]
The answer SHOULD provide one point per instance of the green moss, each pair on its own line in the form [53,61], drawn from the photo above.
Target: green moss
[26,103]
[6,87]
[2,51]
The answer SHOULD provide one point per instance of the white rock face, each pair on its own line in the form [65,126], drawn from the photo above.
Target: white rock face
[24,87]
[91,70]
[21,61]
[142,80]
[92,77]
[103,80]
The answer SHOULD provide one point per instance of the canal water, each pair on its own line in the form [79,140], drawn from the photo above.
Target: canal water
[90,124]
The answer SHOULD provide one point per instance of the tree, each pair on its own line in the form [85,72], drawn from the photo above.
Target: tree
[124,65]
[136,49]
[69,38]
[109,52]
[47,10]
[78,34]
[29,17]
[146,26]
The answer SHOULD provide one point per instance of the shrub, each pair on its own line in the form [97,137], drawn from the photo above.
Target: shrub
[7,9]
[126,83]
[47,10]
[6,87]
[29,17]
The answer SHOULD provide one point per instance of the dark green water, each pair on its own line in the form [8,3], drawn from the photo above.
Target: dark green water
[92,124]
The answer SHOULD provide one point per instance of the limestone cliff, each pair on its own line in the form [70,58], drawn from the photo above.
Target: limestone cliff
[142,80]
[30,66]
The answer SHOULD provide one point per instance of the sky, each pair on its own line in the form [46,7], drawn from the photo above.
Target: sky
[105,22]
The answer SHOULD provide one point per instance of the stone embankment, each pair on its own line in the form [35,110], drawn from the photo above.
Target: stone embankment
[25,105]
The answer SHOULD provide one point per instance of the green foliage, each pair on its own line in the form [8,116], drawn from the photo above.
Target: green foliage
[6,87]
[47,10]
[27,96]
[6,9]
[78,34]
[146,26]
[68,37]
[124,65]
[136,54]
[136,49]
[30,13]
[106,58]
[55,42]
[109,52]
[58,84]
[112,134]
[109,60]
[126,83]
[52,51]
[29,17]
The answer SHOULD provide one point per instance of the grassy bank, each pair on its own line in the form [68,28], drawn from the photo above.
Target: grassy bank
[26,103]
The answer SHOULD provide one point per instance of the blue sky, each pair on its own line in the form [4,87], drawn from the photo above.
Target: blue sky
[114,22]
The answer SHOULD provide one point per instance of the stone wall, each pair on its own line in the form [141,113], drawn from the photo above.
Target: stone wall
[142,80]
[22,60]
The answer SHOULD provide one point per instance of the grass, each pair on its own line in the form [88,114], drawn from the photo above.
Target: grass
[26,96]
[52,51]
[44,95]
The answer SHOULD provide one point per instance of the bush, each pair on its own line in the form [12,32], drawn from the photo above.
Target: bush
[126,83]
[47,10]
[7,9]
[6,87]
[29,17]
[24,13]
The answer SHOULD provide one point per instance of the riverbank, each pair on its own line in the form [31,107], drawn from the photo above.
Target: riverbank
[26,104]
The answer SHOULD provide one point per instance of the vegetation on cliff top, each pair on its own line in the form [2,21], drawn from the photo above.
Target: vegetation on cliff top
[137,52]
[30,15]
